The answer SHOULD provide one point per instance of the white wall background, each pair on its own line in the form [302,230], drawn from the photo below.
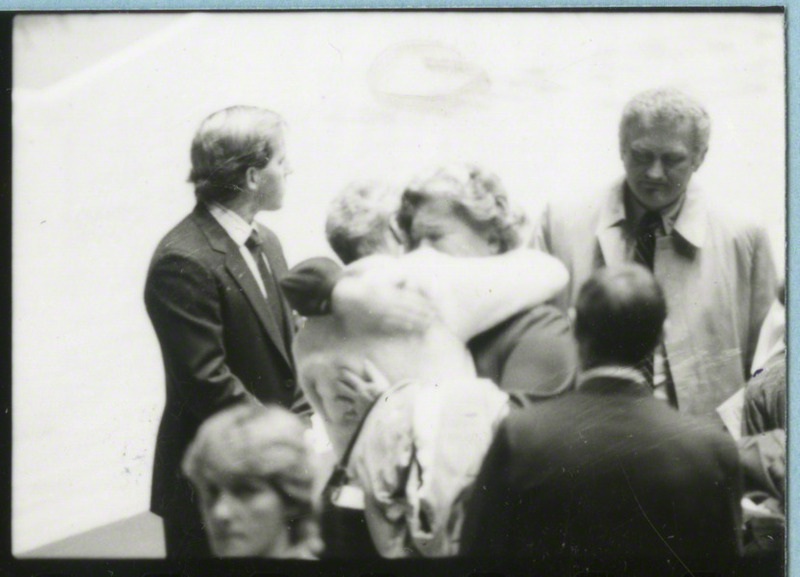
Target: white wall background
[104,108]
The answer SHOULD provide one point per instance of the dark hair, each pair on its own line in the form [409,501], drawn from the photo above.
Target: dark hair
[228,143]
[619,315]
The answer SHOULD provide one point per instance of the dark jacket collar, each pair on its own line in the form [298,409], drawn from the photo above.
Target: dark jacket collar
[216,235]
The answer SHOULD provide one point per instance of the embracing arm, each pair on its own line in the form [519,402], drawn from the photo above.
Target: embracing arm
[368,295]
[183,304]
[471,295]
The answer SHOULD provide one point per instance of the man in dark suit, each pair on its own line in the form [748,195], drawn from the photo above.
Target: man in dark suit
[607,472]
[225,330]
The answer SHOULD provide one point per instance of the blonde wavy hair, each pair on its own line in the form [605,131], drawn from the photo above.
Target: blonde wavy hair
[475,195]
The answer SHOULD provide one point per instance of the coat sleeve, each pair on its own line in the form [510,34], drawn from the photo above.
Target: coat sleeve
[543,360]
[471,295]
[183,302]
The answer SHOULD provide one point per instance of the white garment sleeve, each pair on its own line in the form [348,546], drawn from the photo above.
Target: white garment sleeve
[473,294]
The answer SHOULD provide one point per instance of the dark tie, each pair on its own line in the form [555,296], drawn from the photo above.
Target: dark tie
[253,244]
[644,254]
[646,239]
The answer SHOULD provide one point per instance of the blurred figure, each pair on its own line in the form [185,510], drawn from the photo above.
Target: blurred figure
[607,472]
[772,338]
[716,269]
[762,448]
[463,210]
[223,326]
[765,396]
[361,221]
[251,468]
[382,359]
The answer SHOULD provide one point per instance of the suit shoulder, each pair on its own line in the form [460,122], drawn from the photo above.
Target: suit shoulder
[700,436]
[542,420]
[184,242]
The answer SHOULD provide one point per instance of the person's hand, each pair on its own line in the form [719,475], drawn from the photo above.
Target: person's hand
[366,385]
[351,392]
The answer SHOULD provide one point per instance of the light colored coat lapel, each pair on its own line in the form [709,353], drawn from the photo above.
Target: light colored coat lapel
[610,233]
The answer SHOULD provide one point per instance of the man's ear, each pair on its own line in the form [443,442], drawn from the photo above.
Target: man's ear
[251,177]
[699,158]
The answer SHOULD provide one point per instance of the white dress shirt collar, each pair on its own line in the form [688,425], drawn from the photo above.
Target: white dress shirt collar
[239,231]
[236,227]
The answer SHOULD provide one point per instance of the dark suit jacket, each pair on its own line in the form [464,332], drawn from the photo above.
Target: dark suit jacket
[219,343]
[532,355]
[606,473]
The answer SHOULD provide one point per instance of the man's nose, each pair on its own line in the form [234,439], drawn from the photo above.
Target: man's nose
[656,170]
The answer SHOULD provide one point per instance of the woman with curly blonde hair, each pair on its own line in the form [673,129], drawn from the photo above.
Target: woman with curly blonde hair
[461,210]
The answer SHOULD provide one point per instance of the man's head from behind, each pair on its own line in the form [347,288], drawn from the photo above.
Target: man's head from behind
[238,150]
[663,139]
[251,468]
[619,316]
[361,222]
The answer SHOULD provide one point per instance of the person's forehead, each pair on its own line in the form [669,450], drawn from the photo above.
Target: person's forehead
[225,472]
[674,132]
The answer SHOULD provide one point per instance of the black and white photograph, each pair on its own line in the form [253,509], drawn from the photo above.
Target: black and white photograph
[377,285]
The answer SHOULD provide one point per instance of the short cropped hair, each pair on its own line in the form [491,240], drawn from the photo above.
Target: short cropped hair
[671,105]
[476,195]
[229,142]
[262,442]
[359,218]
[619,315]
